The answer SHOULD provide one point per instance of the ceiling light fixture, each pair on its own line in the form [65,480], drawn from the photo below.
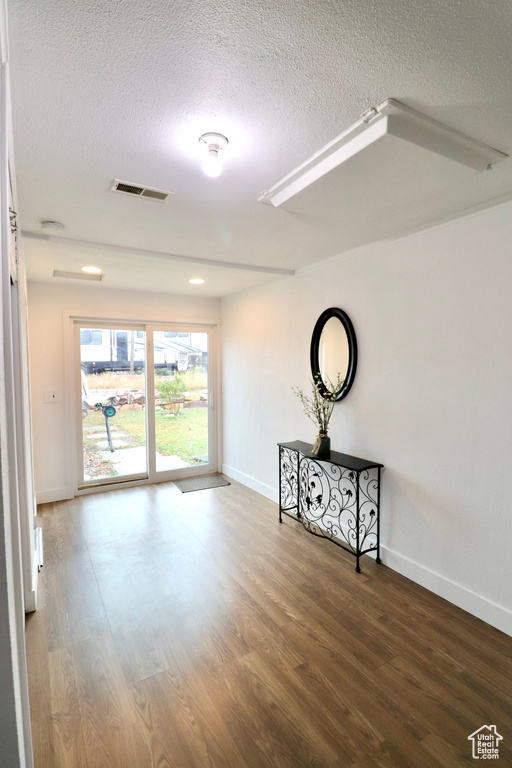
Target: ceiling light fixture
[92,270]
[196,281]
[214,142]
[393,118]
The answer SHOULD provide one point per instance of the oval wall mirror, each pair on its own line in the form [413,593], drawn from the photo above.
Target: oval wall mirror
[334,353]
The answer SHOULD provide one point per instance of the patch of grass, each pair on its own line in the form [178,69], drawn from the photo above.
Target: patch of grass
[94,419]
[95,466]
[184,434]
[90,445]
[133,423]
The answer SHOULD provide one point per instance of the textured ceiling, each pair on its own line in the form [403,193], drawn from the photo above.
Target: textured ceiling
[122,89]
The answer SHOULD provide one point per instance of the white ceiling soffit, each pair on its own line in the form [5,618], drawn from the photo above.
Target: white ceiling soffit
[142,252]
[129,270]
[390,118]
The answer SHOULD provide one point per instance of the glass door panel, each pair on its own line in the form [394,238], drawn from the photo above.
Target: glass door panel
[181,399]
[113,383]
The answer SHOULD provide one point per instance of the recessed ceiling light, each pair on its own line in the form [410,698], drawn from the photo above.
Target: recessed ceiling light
[212,164]
[92,270]
[196,281]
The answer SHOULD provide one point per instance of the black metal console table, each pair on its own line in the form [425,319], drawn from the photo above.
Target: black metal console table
[335,496]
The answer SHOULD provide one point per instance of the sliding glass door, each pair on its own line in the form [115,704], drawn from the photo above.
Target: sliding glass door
[146,403]
[181,399]
[113,403]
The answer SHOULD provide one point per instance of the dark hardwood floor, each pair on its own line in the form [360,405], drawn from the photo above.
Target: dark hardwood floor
[192,631]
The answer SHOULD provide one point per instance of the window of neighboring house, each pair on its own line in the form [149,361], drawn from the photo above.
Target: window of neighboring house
[90,337]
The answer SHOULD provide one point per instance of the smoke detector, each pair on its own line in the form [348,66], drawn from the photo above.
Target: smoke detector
[55,226]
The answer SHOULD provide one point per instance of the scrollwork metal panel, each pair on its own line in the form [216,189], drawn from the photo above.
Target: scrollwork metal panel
[330,500]
[369,509]
[289,478]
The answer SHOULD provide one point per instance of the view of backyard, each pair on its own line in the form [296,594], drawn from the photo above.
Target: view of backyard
[181,422]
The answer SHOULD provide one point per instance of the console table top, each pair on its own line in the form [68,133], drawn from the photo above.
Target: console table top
[334,457]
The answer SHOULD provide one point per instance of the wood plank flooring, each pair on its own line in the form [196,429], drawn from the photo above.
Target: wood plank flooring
[193,631]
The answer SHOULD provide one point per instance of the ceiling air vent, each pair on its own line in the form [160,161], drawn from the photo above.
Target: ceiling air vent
[135,189]
[76,275]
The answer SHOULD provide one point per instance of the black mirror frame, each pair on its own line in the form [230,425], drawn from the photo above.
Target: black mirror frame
[352,351]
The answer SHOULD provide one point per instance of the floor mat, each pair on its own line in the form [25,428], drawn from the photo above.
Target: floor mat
[201,483]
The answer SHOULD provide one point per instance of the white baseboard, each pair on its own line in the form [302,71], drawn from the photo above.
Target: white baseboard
[30,601]
[493,614]
[55,494]
[251,482]
[30,595]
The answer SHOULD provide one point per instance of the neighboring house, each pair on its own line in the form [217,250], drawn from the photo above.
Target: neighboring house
[115,350]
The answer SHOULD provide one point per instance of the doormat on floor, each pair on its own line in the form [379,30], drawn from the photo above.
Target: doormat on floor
[200,483]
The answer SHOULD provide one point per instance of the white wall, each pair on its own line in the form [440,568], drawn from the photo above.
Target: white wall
[47,305]
[431,398]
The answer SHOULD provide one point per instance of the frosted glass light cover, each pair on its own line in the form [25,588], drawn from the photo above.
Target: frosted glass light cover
[212,165]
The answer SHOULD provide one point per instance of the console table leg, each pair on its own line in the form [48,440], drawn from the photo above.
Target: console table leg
[280,496]
[378,516]
[358,502]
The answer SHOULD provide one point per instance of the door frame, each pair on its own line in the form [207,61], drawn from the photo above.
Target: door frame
[213,464]
[73,402]
[79,466]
